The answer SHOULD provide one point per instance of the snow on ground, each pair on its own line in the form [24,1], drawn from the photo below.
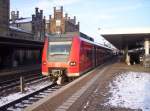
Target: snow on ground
[130,90]
[29,89]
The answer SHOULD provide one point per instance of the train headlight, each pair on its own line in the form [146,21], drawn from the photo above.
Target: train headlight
[44,62]
[73,63]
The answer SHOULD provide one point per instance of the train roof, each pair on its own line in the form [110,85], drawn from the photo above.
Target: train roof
[69,36]
[97,44]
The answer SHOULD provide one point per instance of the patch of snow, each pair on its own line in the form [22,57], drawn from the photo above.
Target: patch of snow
[19,29]
[28,90]
[86,105]
[130,90]
[23,20]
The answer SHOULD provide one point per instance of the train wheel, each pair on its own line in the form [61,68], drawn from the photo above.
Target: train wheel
[71,79]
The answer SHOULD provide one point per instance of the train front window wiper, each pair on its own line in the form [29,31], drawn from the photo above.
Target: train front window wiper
[60,53]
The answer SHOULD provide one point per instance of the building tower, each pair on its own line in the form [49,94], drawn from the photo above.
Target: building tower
[4,17]
[38,24]
[58,24]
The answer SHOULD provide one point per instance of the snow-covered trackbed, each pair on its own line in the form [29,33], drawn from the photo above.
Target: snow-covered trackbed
[19,101]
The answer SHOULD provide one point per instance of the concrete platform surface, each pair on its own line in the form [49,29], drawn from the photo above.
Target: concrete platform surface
[87,93]
[53,100]
[103,94]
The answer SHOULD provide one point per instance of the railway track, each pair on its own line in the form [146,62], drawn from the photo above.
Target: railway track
[22,102]
[5,78]
[9,84]
[28,99]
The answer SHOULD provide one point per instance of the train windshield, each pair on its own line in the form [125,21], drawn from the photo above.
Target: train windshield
[59,51]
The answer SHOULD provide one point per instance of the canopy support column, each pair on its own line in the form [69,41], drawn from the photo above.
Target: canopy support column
[127,56]
[146,46]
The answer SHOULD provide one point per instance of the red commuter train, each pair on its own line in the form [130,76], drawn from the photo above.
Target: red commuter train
[71,55]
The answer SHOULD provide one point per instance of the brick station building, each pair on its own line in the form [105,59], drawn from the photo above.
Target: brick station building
[34,24]
[61,24]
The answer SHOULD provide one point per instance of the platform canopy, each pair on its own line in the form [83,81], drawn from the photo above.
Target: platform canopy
[120,38]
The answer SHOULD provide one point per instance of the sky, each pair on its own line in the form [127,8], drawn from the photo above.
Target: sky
[93,15]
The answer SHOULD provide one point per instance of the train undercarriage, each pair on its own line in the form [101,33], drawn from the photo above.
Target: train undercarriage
[58,76]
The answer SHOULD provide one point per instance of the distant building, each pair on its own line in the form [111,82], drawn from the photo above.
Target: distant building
[14,16]
[4,17]
[60,24]
[21,23]
[34,24]
[38,24]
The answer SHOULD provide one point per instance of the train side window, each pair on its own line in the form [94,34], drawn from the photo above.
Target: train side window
[89,54]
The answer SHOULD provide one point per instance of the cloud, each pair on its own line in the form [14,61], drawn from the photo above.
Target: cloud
[124,8]
[65,2]
[43,4]
[106,16]
[47,4]
[95,16]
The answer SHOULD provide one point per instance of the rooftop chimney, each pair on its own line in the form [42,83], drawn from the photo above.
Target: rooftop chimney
[17,14]
[66,15]
[41,11]
[78,23]
[54,9]
[61,8]
[74,19]
[50,16]
[36,10]
[33,17]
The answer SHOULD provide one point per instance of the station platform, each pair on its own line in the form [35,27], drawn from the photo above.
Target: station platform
[89,92]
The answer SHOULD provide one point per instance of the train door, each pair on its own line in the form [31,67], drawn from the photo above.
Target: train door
[94,56]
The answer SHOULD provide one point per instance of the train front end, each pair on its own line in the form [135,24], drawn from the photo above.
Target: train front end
[61,57]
